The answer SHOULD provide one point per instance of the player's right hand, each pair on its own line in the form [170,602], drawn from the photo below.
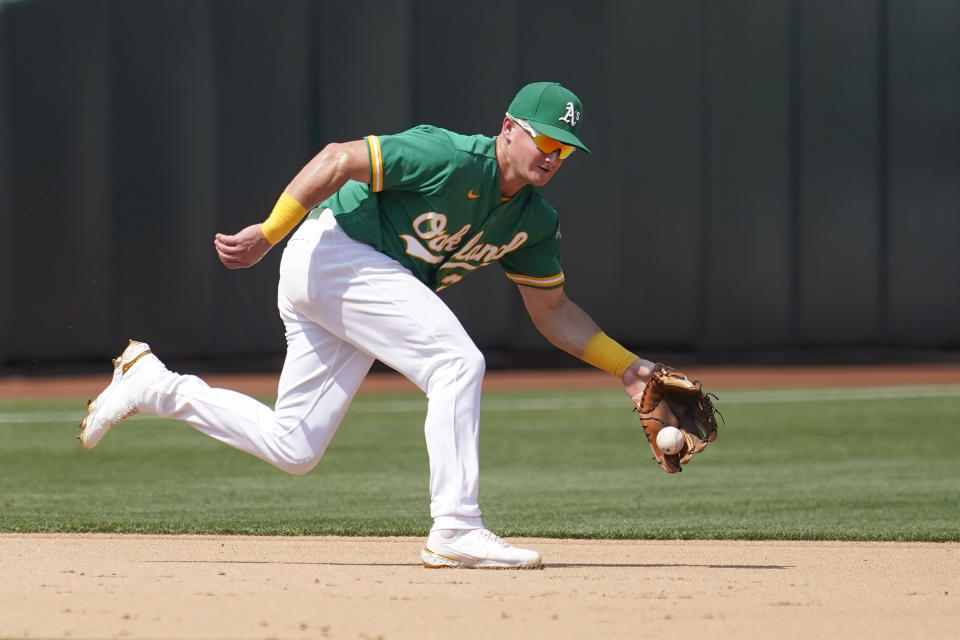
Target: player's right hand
[243,249]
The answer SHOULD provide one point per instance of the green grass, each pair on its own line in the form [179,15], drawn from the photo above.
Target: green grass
[797,465]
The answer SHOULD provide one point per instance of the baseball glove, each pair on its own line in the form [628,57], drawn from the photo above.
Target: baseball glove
[673,400]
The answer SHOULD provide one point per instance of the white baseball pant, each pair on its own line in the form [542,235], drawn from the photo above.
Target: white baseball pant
[345,304]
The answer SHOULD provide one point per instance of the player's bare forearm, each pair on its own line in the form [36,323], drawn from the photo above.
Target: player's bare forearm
[570,328]
[319,179]
[561,321]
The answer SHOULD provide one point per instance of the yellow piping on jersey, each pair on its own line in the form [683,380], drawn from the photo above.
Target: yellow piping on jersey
[552,281]
[376,164]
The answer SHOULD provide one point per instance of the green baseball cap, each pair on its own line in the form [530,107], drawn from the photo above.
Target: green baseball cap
[551,109]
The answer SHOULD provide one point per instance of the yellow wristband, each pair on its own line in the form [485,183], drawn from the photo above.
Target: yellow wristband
[607,354]
[284,217]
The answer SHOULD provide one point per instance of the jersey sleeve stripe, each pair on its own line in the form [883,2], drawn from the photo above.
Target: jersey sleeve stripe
[376,164]
[552,281]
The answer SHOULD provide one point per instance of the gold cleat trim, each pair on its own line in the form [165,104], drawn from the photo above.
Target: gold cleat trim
[127,366]
[92,404]
[460,564]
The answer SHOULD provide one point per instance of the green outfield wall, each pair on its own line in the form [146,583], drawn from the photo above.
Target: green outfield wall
[767,176]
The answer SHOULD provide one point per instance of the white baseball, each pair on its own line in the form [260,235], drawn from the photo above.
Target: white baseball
[670,440]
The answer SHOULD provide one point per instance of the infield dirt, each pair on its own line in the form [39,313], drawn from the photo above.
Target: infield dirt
[107,586]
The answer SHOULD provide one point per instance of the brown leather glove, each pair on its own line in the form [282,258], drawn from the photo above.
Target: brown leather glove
[673,400]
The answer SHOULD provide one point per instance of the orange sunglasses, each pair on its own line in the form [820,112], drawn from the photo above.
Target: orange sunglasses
[544,143]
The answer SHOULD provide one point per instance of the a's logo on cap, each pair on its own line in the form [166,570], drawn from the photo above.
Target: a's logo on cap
[572,116]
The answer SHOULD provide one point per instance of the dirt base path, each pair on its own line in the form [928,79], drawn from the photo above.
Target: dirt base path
[103,586]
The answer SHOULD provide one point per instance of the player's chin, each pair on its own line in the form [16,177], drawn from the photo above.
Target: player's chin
[540,176]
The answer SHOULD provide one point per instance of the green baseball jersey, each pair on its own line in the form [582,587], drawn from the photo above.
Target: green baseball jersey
[433,204]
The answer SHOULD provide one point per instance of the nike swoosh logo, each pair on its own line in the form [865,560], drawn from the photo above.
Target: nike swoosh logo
[126,367]
[472,194]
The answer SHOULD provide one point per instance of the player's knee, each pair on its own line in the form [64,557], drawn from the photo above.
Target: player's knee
[296,462]
[474,362]
[296,467]
[457,368]
[295,451]
[466,366]
[466,362]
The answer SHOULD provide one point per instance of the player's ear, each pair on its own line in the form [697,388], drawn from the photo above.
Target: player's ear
[506,128]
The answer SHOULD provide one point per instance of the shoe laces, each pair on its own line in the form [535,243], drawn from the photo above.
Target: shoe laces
[492,537]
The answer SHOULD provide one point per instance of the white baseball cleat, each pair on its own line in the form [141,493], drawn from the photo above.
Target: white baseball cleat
[475,549]
[119,400]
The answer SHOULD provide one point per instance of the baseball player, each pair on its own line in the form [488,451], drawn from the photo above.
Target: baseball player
[391,220]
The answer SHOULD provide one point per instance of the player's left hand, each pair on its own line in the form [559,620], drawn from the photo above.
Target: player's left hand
[636,377]
[670,399]
[243,249]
